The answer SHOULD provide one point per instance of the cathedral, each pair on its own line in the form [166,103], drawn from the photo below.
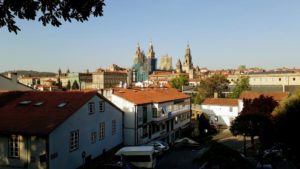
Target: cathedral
[142,65]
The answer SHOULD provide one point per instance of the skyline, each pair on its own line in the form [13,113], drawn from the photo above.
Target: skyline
[220,35]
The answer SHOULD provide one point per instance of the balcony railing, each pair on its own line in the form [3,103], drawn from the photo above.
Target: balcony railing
[170,111]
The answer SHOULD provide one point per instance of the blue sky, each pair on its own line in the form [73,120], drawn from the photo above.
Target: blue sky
[221,34]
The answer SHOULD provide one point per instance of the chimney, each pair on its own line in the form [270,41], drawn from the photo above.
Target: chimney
[13,76]
[215,95]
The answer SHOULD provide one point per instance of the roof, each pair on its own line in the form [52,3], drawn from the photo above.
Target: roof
[149,95]
[134,150]
[220,102]
[38,119]
[278,96]
[16,82]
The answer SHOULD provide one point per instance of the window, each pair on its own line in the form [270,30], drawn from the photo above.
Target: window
[93,137]
[113,127]
[294,79]
[14,147]
[230,109]
[102,131]
[74,140]
[101,106]
[91,107]
[279,79]
[144,114]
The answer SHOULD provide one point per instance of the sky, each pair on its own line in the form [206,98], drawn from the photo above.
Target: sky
[221,34]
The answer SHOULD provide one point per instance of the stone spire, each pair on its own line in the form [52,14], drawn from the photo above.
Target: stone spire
[179,66]
[187,64]
[59,72]
[151,53]
[139,55]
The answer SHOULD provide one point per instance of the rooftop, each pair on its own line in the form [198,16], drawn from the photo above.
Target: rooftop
[38,113]
[220,102]
[278,96]
[149,95]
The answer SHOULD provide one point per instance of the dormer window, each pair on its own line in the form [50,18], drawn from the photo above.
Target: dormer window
[25,102]
[61,105]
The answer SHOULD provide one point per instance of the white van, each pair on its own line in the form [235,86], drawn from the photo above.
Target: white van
[139,156]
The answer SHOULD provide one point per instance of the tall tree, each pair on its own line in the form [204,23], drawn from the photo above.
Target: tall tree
[48,12]
[75,85]
[68,85]
[241,84]
[255,118]
[207,88]
[286,118]
[179,81]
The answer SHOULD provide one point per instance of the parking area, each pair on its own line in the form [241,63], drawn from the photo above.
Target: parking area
[179,158]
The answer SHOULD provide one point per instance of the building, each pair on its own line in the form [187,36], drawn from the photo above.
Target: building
[152,113]
[83,80]
[11,83]
[271,81]
[221,111]
[188,63]
[142,65]
[277,96]
[164,76]
[103,79]
[166,63]
[51,130]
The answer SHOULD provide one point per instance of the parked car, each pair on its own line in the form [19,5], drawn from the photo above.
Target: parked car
[159,145]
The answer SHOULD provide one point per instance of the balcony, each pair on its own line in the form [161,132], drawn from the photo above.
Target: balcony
[170,111]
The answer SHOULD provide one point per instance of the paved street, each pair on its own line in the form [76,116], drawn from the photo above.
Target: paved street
[181,158]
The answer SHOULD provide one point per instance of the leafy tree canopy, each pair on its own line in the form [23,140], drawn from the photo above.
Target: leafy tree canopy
[179,81]
[207,88]
[48,11]
[242,84]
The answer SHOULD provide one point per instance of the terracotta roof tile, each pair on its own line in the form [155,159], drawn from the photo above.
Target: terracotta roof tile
[278,96]
[149,95]
[220,101]
[38,120]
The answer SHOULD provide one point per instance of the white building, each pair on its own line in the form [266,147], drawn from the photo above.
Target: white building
[56,129]
[221,111]
[11,83]
[152,113]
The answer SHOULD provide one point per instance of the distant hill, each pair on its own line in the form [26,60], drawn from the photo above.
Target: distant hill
[31,73]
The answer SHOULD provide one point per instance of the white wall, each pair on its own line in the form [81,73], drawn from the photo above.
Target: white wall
[86,123]
[129,118]
[31,148]
[222,112]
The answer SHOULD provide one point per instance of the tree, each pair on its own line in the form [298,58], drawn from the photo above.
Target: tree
[214,84]
[69,85]
[242,84]
[286,118]
[255,119]
[75,85]
[50,12]
[59,83]
[179,81]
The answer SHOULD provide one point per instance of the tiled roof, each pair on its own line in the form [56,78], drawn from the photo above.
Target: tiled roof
[220,102]
[278,96]
[38,119]
[149,95]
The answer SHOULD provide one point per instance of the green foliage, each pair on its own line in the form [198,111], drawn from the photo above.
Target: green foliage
[286,118]
[59,83]
[50,12]
[242,84]
[255,119]
[207,88]
[68,85]
[179,81]
[75,85]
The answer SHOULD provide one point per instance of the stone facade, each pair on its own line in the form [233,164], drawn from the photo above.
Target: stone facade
[166,62]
